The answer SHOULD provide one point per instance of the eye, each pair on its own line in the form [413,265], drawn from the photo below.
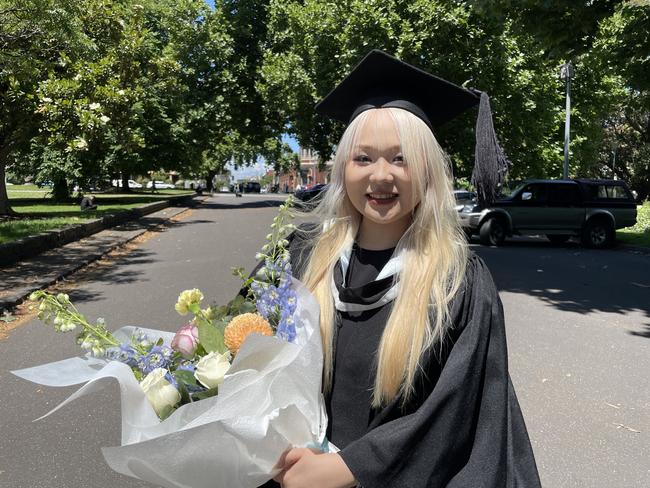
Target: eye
[399,159]
[362,158]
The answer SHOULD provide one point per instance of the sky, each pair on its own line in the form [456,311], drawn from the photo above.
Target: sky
[259,168]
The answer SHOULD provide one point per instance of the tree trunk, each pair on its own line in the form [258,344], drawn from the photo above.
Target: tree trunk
[125,183]
[209,187]
[5,208]
[60,191]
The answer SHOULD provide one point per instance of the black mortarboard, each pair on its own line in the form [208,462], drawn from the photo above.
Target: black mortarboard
[381,81]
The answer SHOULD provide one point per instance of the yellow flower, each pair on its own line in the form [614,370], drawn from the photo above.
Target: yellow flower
[241,326]
[188,298]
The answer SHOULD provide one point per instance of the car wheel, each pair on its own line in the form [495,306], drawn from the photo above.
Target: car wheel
[598,234]
[557,238]
[492,232]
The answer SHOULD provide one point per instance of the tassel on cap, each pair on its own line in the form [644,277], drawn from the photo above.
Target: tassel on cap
[490,162]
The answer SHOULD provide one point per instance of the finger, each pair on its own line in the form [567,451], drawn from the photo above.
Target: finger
[279,478]
[294,455]
[281,461]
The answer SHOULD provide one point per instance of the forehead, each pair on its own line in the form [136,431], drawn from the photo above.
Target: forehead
[378,130]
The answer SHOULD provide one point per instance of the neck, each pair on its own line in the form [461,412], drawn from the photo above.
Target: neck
[375,237]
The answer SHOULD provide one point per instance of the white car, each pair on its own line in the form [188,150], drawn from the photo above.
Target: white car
[132,184]
[160,185]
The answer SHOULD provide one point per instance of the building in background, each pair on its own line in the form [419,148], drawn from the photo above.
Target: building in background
[308,176]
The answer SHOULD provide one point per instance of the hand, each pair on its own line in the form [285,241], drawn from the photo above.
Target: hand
[305,468]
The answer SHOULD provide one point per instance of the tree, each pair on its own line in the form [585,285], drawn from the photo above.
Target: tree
[33,33]
[148,96]
[313,44]
[608,42]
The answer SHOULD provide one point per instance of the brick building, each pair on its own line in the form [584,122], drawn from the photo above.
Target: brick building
[308,175]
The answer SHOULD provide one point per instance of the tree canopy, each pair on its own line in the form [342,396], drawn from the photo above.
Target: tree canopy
[91,90]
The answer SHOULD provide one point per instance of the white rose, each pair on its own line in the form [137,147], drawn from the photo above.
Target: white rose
[161,393]
[212,368]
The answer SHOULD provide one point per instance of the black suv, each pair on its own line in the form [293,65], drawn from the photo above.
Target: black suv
[560,209]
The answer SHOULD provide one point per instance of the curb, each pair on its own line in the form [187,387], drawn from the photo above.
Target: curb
[10,301]
[27,247]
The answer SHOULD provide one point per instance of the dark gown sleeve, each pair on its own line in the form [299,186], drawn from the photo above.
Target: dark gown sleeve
[468,431]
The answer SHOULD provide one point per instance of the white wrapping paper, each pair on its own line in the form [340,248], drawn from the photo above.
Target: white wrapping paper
[269,401]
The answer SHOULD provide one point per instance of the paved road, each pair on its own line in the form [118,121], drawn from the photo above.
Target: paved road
[578,329]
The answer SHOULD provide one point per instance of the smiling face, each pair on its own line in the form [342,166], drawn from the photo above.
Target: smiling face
[378,179]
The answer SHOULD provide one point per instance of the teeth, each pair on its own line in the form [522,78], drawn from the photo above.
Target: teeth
[381,196]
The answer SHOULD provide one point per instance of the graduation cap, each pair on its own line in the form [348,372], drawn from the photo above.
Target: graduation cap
[381,81]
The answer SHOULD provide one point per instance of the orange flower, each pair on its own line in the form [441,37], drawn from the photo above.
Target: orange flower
[241,326]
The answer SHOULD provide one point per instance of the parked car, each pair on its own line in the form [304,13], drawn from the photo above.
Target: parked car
[160,185]
[589,209]
[252,187]
[463,197]
[132,184]
[309,194]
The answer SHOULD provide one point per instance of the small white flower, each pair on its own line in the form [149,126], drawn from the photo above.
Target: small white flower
[68,326]
[212,368]
[94,106]
[104,119]
[120,92]
[161,393]
[81,143]
[47,99]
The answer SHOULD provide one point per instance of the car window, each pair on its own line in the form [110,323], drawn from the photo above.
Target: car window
[564,194]
[607,192]
[539,193]
[616,192]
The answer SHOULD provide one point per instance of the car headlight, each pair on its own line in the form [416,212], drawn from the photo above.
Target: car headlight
[468,208]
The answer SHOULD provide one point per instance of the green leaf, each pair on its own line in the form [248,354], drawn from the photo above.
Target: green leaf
[185,395]
[201,395]
[248,307]
[185,377]
[211,338]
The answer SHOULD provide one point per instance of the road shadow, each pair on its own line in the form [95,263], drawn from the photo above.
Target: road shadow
[574,279]
[258,203]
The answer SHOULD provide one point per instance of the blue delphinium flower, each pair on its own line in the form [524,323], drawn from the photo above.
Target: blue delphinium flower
[287,327]
[275,300]
[124,353]
[170,378]
[157,357]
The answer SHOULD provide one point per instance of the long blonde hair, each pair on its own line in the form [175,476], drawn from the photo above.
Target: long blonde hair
[434,249]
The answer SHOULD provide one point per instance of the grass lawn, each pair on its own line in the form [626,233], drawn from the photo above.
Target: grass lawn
[639,235]
[42,214]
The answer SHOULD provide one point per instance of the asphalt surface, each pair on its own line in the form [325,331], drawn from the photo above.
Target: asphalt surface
[578,326]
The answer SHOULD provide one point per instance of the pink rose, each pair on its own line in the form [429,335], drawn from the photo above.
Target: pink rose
[186,340]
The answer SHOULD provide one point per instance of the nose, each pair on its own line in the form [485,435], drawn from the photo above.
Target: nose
[382,172]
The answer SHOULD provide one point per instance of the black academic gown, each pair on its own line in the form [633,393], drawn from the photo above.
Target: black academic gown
[462,428]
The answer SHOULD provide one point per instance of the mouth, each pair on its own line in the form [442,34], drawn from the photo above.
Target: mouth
[382,198]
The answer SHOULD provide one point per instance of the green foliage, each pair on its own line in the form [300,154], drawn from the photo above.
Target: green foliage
[638,234]
[313,44]
[211,336]
[511,49]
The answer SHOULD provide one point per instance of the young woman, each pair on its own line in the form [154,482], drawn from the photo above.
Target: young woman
[415,372]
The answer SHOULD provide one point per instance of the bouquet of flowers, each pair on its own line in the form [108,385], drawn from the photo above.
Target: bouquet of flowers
[216,403]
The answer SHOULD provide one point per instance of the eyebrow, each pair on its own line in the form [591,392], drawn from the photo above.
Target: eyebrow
[366,147]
